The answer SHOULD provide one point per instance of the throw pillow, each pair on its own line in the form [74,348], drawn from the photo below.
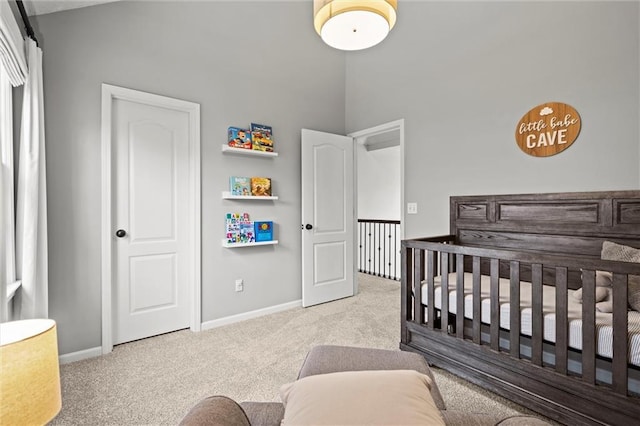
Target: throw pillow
[382,397]
[619,252]
[622,253]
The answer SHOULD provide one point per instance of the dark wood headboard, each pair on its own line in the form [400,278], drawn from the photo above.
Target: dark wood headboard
[570,223]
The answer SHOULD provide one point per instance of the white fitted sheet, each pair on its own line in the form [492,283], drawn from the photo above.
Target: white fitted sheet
[603,320]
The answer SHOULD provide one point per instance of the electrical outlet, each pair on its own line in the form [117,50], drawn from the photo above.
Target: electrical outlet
[239,284]
[412,208]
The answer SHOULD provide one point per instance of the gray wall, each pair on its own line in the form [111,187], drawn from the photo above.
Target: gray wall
[462,74]
[242,62]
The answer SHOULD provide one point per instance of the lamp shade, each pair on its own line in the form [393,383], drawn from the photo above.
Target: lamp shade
[29,372]
[354,24]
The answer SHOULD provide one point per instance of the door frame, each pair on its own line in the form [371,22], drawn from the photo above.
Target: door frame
[360,137]
[111,93]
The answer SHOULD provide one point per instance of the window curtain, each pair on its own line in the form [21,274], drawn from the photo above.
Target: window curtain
[7,212]
[31,213]
[11,46]
[13,72]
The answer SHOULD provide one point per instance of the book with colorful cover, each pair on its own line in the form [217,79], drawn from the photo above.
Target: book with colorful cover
[239,229]
[260,186]
[239,138]
[263,231]
[240,185]
[261,137]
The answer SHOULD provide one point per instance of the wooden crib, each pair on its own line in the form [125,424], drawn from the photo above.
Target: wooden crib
[518,330]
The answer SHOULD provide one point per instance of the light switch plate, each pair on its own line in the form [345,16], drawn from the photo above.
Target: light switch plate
[412,208]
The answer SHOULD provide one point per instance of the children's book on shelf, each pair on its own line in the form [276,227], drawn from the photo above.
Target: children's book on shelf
[260,186]
[240,185]
[240,229]
[261,137]
[239,138]
[263,231]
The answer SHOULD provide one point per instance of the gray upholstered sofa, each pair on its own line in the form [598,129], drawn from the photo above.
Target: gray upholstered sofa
[325,360]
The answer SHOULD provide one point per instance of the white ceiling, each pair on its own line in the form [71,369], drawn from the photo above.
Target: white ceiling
[41,7]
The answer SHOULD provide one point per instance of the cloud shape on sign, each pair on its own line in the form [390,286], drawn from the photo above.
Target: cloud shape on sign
[546,111]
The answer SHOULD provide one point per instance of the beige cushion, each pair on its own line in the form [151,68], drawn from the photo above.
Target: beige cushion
[324,359]
[622,253]
[382,397]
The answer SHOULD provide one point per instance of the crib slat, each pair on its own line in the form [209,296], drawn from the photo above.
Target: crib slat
[537,331]
[444,292]
[433,264]
[476,300]
[418,312]
[514,309]
[620,324]
[494,328]
[460,296]
[589,326]
[406,281]
[562,330]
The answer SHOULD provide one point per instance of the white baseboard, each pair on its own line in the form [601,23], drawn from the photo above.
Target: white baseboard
[93,352]
[208,325]
[80,355]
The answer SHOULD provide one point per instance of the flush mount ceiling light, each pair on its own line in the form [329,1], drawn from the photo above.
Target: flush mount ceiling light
[354,24]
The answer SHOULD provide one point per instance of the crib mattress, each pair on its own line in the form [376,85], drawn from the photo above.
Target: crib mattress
[604,334]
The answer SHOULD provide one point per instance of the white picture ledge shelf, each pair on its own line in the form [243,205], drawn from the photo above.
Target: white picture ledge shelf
[238,245]
[251,152]
[227,196]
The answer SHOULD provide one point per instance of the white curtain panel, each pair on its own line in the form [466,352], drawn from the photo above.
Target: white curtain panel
[13,72]
[31,218]
[4,305]
[7,211]
[12,46]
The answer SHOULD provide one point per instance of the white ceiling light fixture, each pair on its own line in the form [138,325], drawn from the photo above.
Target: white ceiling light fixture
[354,24]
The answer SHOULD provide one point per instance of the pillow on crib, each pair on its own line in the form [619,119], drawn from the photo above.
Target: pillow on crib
[622,253]
[601,294]
[603,278]
[619,252]
[606,306]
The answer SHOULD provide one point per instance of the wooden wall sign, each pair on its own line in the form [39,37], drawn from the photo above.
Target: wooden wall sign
[548,129]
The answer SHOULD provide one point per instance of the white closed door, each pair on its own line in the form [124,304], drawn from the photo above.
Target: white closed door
[150,222]
[328,217]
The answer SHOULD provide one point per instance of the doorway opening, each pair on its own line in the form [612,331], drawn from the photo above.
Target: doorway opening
[380,198]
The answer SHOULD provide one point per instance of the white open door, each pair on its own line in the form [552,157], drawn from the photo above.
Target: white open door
[328,217]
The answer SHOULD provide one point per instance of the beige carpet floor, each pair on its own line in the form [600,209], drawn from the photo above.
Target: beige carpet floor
[155,381]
